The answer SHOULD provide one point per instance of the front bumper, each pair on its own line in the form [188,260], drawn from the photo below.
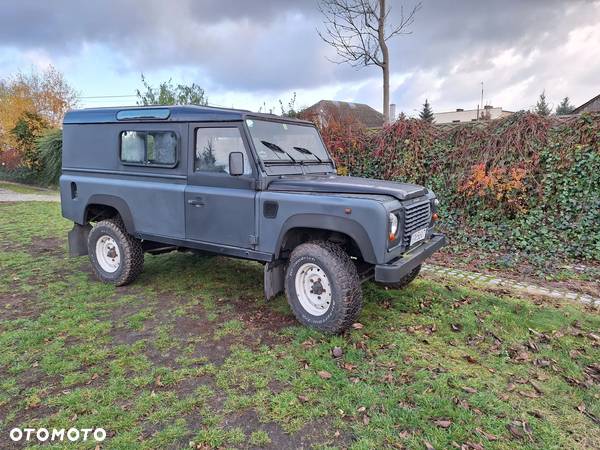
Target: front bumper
[394,271]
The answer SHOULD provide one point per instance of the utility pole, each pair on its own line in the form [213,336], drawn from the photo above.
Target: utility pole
[481,102]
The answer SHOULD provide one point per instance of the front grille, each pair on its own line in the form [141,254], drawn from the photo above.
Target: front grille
[416,217]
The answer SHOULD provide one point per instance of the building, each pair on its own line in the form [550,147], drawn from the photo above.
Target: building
[592,105]
[321,111]
[470,115]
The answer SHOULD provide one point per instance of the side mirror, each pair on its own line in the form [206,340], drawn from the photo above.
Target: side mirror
[236,164]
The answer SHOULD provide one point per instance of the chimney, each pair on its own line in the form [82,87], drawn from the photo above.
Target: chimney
[488,107]
[459,110]
[392,112]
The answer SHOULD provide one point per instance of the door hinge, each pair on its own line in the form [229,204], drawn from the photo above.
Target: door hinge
[253,239]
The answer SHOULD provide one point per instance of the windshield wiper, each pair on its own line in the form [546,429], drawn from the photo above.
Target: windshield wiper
[277,149]
[307,152]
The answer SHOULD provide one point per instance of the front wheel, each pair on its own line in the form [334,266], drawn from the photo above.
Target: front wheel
[322,286]
[116,256]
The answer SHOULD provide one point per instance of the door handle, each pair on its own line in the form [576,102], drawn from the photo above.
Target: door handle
[196,202]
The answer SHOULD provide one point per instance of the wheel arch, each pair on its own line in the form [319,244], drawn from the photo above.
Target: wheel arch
[108,205]
[318,224]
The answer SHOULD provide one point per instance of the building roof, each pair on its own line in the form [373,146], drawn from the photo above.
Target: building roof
[362,113]
[172,113]
[582,107]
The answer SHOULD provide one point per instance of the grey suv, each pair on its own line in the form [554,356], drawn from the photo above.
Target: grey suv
[245,185]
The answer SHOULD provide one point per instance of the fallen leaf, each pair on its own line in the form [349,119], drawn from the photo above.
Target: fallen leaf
[469,389]
[428,445]
[536,386]
[594,336]
[366,419]
[470,359]
[485,434]
[529,394]
[158,382]
[337,352]
[443,423]
[324,374]
[456,327]
[357,326]
[349,367]
[581,407]
[519,429]
[536,414]
[303,398]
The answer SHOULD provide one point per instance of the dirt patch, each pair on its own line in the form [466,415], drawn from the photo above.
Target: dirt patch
[47,247]
[309,436]
[19,306]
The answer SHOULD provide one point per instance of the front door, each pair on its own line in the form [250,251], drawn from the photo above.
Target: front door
[219,207]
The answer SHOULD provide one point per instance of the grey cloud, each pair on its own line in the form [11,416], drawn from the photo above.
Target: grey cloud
[271,45]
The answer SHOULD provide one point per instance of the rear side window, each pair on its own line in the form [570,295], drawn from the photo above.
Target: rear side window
[157,148]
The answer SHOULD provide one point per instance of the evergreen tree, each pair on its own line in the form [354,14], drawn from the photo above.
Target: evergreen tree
[542,108]
[426,113]
[564,107]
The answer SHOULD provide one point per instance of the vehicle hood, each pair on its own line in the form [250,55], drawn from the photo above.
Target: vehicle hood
[347,185]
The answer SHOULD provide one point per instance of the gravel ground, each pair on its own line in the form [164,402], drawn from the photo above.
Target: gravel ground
[10,196]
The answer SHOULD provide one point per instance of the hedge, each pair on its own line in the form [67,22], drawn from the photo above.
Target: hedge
[525,183]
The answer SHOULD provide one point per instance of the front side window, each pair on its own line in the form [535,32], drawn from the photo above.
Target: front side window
[157,148]
[213,146]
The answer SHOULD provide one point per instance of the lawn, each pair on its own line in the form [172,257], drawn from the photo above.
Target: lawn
[191,355]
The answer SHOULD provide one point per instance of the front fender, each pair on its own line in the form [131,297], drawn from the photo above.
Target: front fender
[344,225]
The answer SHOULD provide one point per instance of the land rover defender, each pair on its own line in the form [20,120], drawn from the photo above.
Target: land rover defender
[245,185]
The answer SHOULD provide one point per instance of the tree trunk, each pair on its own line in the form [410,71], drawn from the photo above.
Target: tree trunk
[385,66]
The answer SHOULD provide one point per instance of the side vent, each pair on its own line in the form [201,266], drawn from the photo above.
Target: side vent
[73,190]
[270,209]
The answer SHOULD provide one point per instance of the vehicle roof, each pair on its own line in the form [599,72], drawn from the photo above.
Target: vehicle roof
[177,113]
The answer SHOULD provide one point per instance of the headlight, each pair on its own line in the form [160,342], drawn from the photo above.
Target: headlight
[436,202]
[393,224]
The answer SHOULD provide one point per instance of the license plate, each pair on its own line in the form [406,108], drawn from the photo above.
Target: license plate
[418,236]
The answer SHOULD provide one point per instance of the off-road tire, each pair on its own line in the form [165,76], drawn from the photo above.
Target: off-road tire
[406,280]
[346,301]
[132,254]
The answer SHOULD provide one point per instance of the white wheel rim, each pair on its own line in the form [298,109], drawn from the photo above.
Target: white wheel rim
[313,289]
[108,254]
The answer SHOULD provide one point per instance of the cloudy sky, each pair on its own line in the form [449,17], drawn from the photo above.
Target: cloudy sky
[249,53]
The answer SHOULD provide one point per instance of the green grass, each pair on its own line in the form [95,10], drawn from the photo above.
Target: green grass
[192,353]
[23,188]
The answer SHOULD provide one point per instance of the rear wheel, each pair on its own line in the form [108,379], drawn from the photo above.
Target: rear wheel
[116,256]
[322,286]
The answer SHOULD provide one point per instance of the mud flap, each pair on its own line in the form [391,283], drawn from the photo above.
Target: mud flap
[78,238]
[273,279]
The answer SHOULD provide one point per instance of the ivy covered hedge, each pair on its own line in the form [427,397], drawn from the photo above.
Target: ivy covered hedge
[525,183]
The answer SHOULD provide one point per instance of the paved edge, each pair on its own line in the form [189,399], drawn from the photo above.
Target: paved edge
[493,281]
[11,196]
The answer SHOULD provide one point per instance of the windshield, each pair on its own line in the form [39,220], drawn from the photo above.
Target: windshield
[285,142]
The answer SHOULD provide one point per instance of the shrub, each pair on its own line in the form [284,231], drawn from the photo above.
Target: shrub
[49,147]
[524,183]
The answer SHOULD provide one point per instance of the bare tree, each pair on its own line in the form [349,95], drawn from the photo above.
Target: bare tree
[358,31]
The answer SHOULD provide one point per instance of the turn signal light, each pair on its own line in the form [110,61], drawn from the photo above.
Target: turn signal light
[435,217]
[392,237]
